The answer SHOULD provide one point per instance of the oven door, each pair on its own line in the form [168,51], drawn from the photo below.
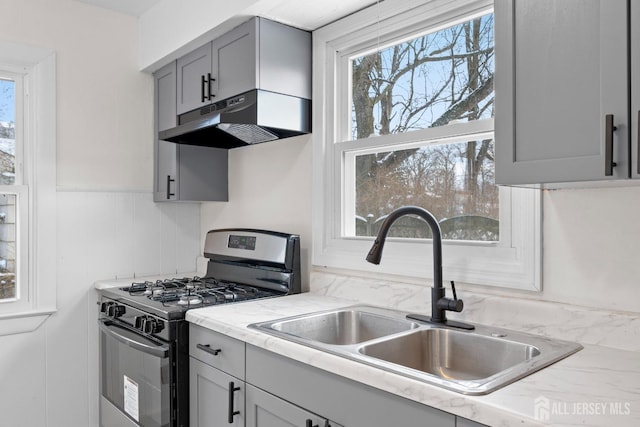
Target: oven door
[135,378]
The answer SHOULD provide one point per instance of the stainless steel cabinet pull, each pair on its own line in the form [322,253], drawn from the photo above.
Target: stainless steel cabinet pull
[169,181]
[208,349]
[609,164]
[232,413]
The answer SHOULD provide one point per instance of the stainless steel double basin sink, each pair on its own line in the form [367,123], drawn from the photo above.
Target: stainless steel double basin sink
[470,362]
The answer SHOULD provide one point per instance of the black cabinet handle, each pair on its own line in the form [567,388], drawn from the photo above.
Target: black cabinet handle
[309,423]
[232,413]
[203,82]
[169,181]
[609,164]
[210,80]
[208,349]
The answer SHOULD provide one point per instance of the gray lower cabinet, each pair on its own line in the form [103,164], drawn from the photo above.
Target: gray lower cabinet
[216,379]
[265,410]
[341,400]
[562,90]
[253,387]
[216,398]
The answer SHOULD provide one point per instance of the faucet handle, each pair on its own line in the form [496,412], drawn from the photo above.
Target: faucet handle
[449,304]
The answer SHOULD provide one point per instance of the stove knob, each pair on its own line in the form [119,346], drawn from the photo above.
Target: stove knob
[138,320]
[115,310]
[149,326]
[105,305]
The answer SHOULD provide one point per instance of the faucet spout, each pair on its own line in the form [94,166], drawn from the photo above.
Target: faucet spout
[439,303]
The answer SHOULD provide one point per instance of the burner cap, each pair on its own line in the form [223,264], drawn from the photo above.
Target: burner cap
[190,300]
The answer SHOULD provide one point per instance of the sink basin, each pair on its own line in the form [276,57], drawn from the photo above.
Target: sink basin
[452,354]
[342,327]
[470,362]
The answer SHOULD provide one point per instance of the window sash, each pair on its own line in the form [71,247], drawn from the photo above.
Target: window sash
[23,298]
[513,262]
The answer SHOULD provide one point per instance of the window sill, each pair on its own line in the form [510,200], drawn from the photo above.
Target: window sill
[20,323]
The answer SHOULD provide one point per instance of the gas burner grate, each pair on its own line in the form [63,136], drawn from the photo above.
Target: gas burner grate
[196,291]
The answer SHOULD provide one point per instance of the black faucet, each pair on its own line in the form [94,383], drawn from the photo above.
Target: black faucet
[439,303]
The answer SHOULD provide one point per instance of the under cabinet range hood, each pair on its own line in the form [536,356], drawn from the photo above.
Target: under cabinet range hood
[250,118]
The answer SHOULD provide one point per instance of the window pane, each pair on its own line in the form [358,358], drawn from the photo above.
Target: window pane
[426,82]
[455,182]
[7,246]
[7,131]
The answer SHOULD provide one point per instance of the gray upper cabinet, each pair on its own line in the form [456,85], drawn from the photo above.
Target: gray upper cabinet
[562,91]
[258,54]
[165,90]
[196,80]
[181,172]
[262,54]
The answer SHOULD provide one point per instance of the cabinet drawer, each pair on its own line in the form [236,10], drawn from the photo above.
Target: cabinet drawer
[217,350]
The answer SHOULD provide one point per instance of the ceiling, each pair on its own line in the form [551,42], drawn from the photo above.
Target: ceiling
[316,13]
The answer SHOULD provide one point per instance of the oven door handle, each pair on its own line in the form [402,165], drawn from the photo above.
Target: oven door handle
[109,328]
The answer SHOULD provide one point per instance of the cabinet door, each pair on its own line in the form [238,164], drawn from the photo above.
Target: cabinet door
[193,72]
[210,398]
[266,410]
[166,162]
[235,55]
[164,118]
[561,68]
[165,93]
[635,89]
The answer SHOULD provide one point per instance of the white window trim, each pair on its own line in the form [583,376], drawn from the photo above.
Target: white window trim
[514,262]
[39,175]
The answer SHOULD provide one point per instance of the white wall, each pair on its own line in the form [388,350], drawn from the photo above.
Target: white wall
[105,105]
[590,246]
[270,188]
[108,225]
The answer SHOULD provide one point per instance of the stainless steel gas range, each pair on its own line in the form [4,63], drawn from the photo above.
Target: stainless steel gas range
[144,360]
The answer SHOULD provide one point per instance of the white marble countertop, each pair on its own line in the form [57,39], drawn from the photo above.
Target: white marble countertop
[598,386]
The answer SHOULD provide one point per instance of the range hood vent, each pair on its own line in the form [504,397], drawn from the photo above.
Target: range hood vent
[250,118]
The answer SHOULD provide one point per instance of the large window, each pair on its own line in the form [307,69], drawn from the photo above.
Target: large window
[406,118]
[13,211]
[433,79]
[27,186]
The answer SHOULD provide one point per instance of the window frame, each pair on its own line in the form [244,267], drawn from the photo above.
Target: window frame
[35,186]
[513,262]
